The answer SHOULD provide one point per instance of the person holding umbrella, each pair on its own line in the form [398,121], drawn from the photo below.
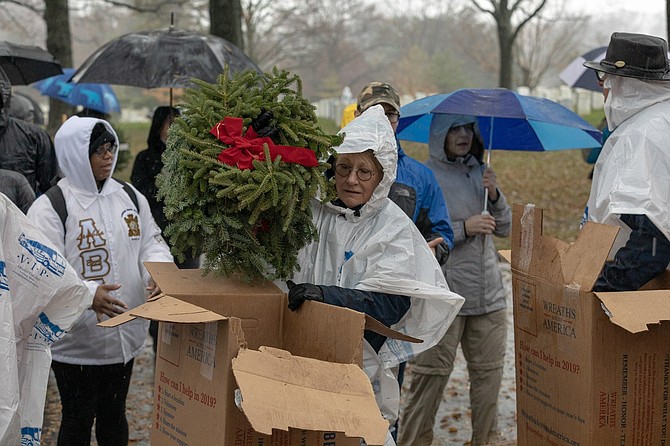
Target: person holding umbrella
[456,151]
[631,178]
[24,147]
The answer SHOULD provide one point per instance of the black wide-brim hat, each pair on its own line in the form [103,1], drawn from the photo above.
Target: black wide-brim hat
[635,55]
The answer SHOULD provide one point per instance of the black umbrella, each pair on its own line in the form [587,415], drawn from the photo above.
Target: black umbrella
[167,57]
[25,64]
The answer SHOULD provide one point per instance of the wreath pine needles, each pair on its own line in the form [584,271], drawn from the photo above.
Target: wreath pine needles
[248,221]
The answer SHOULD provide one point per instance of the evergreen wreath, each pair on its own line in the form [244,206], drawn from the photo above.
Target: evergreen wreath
[251,219]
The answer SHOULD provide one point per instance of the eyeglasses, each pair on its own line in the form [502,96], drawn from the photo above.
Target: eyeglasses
[393,117]
[103,149]
[601,75]
[344,170]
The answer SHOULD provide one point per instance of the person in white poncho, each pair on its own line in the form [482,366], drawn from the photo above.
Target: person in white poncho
[40,298]
[631,179]
[370,257]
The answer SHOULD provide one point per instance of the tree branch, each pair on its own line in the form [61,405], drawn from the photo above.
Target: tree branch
[528,18]
[29,7]
[483,9]
[157,7]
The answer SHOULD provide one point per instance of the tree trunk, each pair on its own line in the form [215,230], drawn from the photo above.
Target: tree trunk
[225,18]
[59,44]
[506,42]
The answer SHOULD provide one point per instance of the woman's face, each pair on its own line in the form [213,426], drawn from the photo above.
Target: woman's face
[459,140]
[166,126]
[349,169]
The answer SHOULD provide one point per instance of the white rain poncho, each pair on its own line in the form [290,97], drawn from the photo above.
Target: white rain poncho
[380,249]
[40,298]
[632,174]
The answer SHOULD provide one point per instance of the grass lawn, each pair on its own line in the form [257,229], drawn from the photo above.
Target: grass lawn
[557,182]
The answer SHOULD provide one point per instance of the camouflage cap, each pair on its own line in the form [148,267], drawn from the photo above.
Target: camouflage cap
[378,93]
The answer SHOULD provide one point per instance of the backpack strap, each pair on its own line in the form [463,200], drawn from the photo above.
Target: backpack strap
[130,191]
[55,195]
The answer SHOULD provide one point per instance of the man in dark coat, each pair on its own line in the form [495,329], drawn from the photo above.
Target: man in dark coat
[24,147]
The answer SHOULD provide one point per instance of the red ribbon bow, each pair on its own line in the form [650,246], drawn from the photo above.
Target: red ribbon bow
[243,150]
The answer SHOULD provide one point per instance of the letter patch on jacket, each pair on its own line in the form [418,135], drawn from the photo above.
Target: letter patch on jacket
[93,253]
[132,220]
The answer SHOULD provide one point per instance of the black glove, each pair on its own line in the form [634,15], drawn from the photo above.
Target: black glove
[297,294]
[261,124]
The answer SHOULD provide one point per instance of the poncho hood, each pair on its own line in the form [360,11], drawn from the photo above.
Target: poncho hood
[628,96]
[372,131]
[632,174]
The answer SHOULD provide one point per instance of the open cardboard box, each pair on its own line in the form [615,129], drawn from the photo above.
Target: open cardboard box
[591,368]
[225,344]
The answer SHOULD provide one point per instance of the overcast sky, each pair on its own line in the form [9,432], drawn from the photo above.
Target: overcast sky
[608,16]
[594,6]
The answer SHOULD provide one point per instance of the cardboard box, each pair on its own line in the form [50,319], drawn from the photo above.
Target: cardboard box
[298,373]
[583,377]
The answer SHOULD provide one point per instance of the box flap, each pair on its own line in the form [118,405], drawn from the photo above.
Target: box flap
[505,255]
[180,282]
[577,263]
[660,282]
[279,391]
[165,309]
[635,310]
[379,328]
[584,259]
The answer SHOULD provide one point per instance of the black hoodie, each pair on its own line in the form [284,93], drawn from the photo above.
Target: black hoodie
[24,147]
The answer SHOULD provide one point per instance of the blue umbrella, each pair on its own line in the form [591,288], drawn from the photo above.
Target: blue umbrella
[98,97]
[506,120]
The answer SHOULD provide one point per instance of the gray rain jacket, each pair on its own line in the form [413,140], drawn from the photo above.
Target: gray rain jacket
[472,268]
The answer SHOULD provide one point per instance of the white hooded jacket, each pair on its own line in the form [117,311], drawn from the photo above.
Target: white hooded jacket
[107,240]
[378,248]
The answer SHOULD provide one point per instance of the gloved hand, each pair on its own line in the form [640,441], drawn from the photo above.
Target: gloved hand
[261,124]
[297,294]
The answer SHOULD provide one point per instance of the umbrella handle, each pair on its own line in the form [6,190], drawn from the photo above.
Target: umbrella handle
[488,163]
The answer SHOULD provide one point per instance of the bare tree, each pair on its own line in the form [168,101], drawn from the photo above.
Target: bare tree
[57,18]
[329,43]
[225,20]
[262,20]
[547,43]
[511,16]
